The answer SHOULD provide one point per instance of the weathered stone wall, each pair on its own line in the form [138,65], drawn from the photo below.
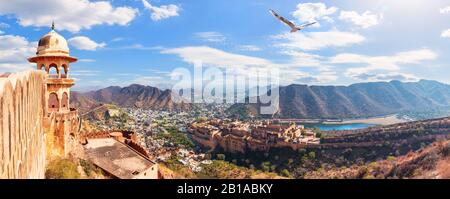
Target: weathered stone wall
[61,131]
[22,137]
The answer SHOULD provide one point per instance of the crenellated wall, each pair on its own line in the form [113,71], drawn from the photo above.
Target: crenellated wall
[22,136]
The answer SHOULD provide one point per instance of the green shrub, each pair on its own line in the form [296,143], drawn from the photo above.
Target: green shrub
[62,169]
[265,166]
[391,158]
[369,176]
[90,169]
[220,156]
[285,173]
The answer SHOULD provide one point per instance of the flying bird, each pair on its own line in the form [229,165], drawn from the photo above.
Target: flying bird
[294,28]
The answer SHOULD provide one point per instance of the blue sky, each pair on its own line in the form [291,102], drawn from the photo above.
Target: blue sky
[121,42]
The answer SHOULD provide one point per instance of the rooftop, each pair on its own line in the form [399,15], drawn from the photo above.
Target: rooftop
[116,158]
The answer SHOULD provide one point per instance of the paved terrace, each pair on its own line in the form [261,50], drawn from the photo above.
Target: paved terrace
[118,159]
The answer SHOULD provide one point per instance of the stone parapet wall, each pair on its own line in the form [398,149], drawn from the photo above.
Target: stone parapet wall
[22,136]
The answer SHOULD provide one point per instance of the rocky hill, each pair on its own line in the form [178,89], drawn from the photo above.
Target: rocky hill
[357,100]
[135,95]
[82,102]
[432,162]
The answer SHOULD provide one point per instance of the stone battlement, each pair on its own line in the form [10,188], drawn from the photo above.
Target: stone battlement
[22,135]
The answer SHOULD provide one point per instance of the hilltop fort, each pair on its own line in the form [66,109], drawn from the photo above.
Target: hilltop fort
[236,136]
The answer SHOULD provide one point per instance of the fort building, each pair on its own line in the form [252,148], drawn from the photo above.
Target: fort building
[242,137]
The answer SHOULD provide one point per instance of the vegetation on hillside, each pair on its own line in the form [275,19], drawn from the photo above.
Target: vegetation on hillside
[90,170]
[430,162]
[424,114]
[176,137]
[219,169]
[62,168]
[225,170]
[72,168]
[179,170]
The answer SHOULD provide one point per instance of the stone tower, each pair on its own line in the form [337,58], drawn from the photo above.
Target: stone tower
[61,122]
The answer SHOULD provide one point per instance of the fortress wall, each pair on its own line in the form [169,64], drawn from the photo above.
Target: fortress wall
[22,136]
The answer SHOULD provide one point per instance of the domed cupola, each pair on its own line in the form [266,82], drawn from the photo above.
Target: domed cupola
[52,44]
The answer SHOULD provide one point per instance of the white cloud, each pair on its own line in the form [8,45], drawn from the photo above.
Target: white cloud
[138,47]
[210,36]
[408,57]
[365,20]
[446,33]
[215,57]
[249,48]
[117,39]
[14,51]
[384,63]
[86,60]
[71,15]
[445,10]
[84,73]
[162,12]
[324,77]
[319,40]
[302,59]
[84,43]
[307,12]
[242,64]
[386,77]
[4,25]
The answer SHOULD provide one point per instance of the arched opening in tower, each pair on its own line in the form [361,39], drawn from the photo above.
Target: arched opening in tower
[66,70]
[65,101]
[42,68]
[53,102]
[53,71]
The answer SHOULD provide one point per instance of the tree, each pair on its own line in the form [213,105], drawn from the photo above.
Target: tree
[265,166]
[285,173]
[221,156]
[318,132]
[273,168]
[290,161]
[301,151]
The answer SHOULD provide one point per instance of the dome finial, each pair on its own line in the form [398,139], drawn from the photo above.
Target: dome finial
[53,25]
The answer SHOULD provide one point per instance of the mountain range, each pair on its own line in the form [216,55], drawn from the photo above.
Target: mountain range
[356,100]
[135,95]
[295,101]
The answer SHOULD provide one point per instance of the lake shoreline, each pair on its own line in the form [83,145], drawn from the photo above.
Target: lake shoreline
[380,120]
[383,120]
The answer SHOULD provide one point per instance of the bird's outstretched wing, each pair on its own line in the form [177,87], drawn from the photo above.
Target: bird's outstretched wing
[307,24]
[284,20]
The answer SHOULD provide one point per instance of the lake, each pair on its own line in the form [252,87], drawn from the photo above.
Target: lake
[338,127]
